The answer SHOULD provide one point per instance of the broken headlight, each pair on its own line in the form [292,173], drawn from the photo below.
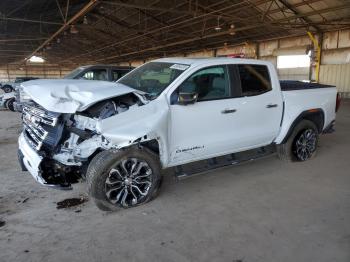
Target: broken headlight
[23,96]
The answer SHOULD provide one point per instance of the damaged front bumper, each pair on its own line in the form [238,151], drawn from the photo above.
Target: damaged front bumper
[30,160]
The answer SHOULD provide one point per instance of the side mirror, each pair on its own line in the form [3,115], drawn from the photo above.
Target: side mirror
[187,98]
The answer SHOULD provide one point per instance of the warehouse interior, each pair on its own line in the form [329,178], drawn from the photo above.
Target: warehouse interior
[264,211]
[69,34]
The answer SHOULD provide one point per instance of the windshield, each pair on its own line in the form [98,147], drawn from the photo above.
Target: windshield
[153,77]
[74,73]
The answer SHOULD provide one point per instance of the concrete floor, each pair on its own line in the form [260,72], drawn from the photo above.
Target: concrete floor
[266,210]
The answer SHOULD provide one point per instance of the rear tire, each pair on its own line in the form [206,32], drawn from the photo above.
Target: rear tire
[301,144]
[123,179]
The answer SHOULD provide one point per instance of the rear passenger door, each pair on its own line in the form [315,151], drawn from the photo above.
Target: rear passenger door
[259,107]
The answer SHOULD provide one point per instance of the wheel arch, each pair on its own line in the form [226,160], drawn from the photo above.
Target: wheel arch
[315,115]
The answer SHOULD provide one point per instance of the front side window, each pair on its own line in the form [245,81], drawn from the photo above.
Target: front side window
[255,79]
[154,77]
[97,74]
[209,83]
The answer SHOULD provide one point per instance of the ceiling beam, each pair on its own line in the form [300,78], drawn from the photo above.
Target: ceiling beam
[17,19]
[65,26]
[21,39]
[155,30]
[152,8]
[305,19]
[225,32]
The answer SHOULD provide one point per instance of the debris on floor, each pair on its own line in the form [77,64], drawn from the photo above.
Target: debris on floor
[23,201]
[71,202]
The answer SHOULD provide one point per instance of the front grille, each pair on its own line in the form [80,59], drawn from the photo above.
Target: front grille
[40,126]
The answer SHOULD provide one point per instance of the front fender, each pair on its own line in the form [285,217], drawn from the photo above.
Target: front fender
[139,124]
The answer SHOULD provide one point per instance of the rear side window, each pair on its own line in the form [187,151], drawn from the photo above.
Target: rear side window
[96,74]
[116,74]
[255,79]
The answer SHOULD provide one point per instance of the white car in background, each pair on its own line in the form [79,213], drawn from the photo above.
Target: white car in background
[7,100]
[8,87]
[187,114]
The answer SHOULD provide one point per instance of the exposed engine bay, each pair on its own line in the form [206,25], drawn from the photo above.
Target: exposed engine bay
[67,142]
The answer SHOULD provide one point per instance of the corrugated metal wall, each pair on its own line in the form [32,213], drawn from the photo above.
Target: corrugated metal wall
[300,73]
[335,67]
[338,75]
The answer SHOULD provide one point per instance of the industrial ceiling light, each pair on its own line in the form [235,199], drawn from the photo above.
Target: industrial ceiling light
[102,9]
[231,31]
[58,40]
[218,27]
[73,29]
[85,21]
[36,59]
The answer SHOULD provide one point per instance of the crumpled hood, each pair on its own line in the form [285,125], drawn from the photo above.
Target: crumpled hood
[69,95]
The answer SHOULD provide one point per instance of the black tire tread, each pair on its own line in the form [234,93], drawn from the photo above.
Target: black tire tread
[284,151]
[103,161]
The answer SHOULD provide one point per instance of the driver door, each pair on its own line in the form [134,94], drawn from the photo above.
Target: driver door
[202,129]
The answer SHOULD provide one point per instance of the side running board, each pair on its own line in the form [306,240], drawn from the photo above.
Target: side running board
[203,166]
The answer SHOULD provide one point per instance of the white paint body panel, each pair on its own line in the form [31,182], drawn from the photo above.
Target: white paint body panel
[298,101]
[201,126]
[31,159]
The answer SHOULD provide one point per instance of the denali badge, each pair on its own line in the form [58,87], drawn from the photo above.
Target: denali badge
[188,149]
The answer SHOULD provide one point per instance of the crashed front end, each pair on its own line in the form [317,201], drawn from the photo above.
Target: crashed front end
[56,148]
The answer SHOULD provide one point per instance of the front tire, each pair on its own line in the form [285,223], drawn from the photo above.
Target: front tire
[123,179]
[7,89]
[301,144]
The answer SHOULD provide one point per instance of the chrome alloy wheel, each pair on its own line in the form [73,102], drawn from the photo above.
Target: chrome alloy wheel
[305,145]
[128,182]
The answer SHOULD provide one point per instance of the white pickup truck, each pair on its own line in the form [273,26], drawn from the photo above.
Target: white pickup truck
[188,114]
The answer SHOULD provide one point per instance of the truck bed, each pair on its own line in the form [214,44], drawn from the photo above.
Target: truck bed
[289,85]
[300,97]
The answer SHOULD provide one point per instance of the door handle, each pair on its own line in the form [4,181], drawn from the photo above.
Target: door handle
[228,111]
[271,105]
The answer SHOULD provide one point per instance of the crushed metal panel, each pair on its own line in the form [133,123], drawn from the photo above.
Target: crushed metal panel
[69,96]
[148,122]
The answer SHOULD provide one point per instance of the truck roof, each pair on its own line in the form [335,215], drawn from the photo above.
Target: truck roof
[106,66]
[209,60]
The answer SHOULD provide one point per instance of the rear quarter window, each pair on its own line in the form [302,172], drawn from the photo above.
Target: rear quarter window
[255,79]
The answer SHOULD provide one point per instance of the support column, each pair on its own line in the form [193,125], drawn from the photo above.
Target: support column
[318,48]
